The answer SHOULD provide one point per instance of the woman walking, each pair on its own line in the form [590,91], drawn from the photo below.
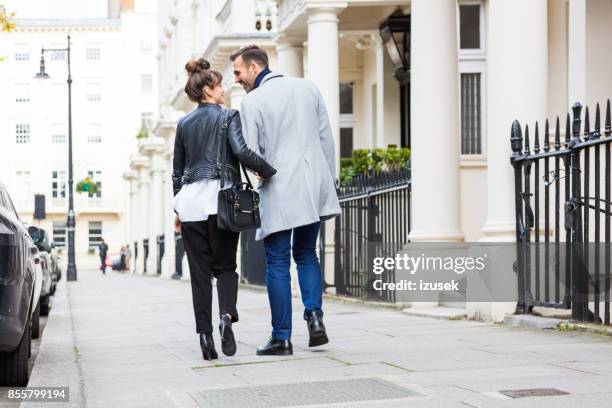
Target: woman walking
[200,149]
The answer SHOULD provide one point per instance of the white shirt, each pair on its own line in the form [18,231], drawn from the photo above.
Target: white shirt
[196,201]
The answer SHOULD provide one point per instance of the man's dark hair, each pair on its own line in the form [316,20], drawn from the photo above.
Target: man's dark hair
[252,53]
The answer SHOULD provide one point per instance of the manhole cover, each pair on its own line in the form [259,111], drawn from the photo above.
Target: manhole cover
[288,395]
[534,392]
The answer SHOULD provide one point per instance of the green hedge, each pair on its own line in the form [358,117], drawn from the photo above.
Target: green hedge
[377,160]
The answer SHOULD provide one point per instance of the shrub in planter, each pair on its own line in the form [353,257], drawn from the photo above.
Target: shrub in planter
[87,185]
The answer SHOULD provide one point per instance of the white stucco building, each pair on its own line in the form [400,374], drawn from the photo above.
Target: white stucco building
[471,67]
[114,91]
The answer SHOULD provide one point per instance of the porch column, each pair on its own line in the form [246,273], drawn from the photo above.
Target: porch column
[168,261]
[132,211]
[517,70]
[435,122]
[153,147]
[141,164]
[236,93]
[517,75]
[323,61]
[577,52]
[290,55]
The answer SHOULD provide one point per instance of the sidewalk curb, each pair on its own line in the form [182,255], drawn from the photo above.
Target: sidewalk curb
[58,361]
[561,325]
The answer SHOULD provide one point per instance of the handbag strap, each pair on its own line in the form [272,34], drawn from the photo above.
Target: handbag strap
[224,142]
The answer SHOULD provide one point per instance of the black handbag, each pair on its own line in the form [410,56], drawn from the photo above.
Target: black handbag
[238,206]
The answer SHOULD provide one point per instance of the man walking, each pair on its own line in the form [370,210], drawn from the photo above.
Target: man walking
[102,250]
[286,121]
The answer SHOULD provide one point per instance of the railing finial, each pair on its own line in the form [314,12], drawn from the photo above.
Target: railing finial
[587,124]
[536,143]
[527,150]
[597,132]
[576,110]
[557,135]
[608,128]
[516,138]
[546,136]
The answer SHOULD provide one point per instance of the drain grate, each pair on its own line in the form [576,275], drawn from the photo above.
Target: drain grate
[288,395]
[534,392]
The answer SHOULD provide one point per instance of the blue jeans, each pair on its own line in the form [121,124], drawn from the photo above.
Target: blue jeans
[278,280]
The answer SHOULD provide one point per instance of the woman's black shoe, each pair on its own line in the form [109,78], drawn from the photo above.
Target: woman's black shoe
[208,346]
[275,347]
[316,329]
[228,343]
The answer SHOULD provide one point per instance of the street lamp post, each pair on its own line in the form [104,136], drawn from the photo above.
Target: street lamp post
[71,272]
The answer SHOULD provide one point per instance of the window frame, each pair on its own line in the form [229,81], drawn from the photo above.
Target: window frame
[474,61]
[22,136]
[90,236]
[59,226]
[472,53]
[58,177]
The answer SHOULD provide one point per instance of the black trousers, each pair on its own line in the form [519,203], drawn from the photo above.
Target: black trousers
[211,252]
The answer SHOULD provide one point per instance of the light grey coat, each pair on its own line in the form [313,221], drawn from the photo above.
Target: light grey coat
[286,122]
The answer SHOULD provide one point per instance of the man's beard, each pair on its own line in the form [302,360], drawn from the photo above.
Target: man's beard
[246,86]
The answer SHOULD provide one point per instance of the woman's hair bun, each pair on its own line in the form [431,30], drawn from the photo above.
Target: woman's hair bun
[196,65]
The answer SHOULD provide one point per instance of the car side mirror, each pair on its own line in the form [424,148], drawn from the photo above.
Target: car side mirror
[36,234]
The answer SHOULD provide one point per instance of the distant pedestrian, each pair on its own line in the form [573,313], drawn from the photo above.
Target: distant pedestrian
[128,256]
[102,251]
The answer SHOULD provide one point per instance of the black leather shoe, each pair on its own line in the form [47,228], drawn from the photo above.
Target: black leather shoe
[228,343]
[316,329]
[275,347]
[208,346]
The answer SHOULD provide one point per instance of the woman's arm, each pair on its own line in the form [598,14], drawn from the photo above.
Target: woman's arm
[245,155]
[178,163]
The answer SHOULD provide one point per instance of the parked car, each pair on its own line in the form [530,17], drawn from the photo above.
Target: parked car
[41,240]
[56,267]
[20,286]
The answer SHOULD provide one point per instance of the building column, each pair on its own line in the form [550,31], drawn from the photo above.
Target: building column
[290,55]
[236,93]
[169,259]
[517,72]
[577,52]
[435,122]
[323,61]
[153,148]
[132,210]
[141,165]
[517,76]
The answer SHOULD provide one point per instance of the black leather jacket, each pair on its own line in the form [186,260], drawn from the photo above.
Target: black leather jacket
[198,148]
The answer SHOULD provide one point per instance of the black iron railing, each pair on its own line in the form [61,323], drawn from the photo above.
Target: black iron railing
[375,221]
[563,247]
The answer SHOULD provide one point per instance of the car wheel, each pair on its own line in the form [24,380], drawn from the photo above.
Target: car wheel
[44,305]
[14,365]
[36,322]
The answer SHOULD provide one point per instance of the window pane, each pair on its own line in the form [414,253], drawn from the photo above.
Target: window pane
[346,142]
[471,129]
[470,26]
[346,97]
[59,233]
[22,133]
[95,234]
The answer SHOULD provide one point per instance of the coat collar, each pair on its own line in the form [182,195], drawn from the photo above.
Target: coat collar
[269,77]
